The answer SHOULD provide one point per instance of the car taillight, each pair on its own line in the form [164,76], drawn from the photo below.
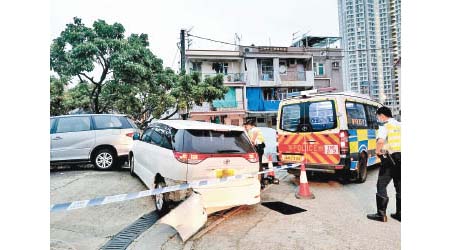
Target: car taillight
[195,158]
[130,134]
[343,135]
[251,157]
[190,158]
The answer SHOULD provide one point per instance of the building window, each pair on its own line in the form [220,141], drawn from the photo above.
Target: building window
[270,94]
[220,67]
[196,67]
[335,65]
[267,70]
[319,69]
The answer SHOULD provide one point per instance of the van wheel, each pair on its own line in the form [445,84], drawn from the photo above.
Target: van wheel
[161,200]
[104,159]
[362,168]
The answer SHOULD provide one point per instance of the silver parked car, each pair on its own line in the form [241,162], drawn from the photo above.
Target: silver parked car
[102,139]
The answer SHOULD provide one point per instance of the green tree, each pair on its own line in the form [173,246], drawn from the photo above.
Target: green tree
[57,106]
[191,90]
[121,74]
[78,97]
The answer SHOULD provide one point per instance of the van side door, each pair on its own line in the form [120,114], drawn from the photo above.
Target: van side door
[73,138]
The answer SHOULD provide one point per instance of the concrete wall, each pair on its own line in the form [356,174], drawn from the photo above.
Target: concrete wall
[233,66]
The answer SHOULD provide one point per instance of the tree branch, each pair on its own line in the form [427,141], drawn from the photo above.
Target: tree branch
[101,63]
[89,78]
[79,77]
[172,114]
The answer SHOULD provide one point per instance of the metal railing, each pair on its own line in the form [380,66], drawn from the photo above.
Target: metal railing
[222,106]
[229,77]
[234,105]
[293,75]
[290,75]
[266,76]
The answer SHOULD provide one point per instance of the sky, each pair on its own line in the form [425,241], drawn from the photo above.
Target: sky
[263,22]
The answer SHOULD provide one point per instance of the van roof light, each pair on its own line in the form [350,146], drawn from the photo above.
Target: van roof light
[307,93]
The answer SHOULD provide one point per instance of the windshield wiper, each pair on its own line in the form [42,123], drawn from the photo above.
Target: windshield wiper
[228,151]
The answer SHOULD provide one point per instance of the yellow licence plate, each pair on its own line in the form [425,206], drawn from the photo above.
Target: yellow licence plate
[292,158]
[220,173]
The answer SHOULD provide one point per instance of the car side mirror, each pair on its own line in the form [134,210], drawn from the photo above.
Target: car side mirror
[136,136]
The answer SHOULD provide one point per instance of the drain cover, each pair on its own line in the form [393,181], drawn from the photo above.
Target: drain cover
[283,208]
[124,238]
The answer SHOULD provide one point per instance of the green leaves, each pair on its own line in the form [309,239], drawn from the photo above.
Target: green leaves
[118,73]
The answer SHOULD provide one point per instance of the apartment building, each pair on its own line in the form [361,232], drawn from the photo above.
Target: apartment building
[208,63]
[259,77]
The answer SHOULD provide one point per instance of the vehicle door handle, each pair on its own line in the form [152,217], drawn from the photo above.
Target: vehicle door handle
[57,138]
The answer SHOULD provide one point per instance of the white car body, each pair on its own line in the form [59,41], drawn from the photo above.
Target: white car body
[78,138]
[152,160]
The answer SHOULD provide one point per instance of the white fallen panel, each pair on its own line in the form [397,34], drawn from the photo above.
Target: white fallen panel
[188,217]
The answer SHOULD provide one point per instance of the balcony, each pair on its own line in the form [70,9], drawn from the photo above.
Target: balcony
[227,78]
[292,78]
[266,76]
[222,105]
[219,105]
[293,75]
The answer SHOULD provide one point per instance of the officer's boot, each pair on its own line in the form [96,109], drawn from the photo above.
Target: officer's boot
[398,204]
[381,209]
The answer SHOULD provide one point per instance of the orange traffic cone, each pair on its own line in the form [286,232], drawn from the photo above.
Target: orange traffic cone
[303,188]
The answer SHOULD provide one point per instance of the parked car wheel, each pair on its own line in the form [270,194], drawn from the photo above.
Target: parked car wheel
[362,168]
[104,159]
[131,162]
[161,200]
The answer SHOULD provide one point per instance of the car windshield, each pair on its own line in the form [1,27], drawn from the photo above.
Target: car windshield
[216,142]
[308,116]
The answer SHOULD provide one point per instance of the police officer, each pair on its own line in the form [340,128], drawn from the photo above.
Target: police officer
[389,151]
[257,139]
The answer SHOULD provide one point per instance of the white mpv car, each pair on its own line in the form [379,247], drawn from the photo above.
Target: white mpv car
[173,152]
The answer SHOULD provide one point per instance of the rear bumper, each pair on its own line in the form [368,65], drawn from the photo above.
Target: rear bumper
[231,194]
[123,149]
[343,164]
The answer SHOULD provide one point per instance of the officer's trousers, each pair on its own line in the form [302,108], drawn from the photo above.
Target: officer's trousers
[388,171]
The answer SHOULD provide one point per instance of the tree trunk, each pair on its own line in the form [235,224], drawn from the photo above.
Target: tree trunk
[96,102]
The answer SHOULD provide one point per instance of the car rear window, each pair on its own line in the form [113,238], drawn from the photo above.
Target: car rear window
[131,122]
[216,142]
[308,116]
[111,122]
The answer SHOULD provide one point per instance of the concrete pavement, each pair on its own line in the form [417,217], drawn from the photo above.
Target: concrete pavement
[336,219]
[91,227]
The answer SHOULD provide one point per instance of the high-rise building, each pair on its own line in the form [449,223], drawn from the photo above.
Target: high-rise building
[370,31]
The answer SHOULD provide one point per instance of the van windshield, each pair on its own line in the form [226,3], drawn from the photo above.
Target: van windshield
[308,116]
[216,142]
